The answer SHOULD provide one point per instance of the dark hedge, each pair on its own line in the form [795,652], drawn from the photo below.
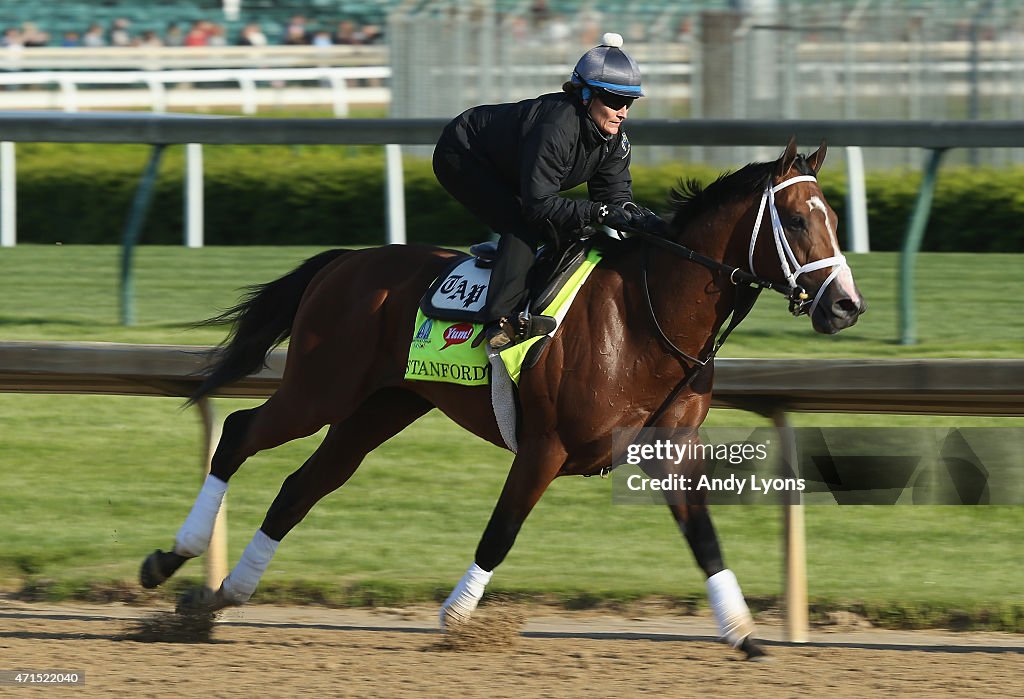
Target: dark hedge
[327,198]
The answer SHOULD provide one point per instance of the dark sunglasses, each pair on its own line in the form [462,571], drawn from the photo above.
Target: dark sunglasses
[615,102]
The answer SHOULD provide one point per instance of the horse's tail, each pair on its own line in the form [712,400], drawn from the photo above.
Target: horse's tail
[260,322]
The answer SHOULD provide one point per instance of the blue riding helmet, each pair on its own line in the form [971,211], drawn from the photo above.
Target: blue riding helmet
[607,68]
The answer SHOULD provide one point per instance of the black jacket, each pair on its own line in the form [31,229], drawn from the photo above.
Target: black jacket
[540,147]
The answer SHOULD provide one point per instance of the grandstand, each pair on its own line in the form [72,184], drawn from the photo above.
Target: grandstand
[58,18]
[742,59]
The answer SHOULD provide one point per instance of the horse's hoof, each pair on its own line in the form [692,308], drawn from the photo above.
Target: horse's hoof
[158,567]
[200,600]
[754,652]
[452,618]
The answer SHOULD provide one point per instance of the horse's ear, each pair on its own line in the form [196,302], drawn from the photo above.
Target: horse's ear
[784,163]
[816,158]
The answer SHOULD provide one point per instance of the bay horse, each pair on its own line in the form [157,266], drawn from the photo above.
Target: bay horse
[636,348]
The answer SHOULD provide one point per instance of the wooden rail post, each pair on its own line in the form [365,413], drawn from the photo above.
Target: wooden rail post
[795,547]
[217,553]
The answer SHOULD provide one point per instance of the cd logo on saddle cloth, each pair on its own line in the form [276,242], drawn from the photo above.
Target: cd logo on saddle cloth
[457,334]
[423,334]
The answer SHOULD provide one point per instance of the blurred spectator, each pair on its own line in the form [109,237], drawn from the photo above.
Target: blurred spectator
[32,36]
[70,40]
[149,39]
[197,34]
[372,34]
[252,35]
[119,34]
[295,33]
[173,35]
[216,34]
[12,38]
[346,34]
[321,38]
[684,32]
[93,37]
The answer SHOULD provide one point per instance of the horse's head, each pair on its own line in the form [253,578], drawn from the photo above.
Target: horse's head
[794,242]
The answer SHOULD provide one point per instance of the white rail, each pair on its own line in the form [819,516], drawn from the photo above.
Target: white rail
[164,89]
[169,57]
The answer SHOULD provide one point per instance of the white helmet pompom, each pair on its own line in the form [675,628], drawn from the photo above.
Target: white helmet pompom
[612,39]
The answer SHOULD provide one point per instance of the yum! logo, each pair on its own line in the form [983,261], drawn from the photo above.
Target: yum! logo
[457,334]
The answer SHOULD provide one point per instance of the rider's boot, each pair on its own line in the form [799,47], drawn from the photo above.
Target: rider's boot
[500,334]
[504,333]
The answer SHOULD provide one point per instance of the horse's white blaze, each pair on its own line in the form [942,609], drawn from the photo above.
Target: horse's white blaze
[844,280]
[816,204]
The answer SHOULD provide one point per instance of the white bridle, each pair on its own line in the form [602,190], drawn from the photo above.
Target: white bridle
[791,267]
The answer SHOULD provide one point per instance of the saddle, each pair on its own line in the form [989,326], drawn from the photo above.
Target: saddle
[459,293]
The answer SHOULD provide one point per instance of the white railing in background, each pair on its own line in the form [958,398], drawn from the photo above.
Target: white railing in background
[170,57]
[160,90]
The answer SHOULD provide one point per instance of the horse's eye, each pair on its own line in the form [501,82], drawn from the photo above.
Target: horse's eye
[797,223]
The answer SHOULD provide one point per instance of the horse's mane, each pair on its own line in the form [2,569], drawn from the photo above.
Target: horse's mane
[690,198]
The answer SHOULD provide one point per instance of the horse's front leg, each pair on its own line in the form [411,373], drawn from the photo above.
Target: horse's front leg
[533,469]
[735,624]
[690,511]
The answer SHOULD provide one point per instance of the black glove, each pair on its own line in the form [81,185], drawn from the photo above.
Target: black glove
[650,222]
[630,218]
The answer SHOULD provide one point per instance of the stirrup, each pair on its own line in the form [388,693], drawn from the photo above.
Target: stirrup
[538,325]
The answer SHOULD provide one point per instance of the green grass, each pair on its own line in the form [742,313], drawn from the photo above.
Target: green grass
[90,484]
[966,303]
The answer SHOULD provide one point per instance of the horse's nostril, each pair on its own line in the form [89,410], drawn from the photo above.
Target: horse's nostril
[845,307]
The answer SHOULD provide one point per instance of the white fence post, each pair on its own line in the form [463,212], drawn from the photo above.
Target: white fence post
[395,194]
[339,95]
[69,91]
[194,195]
[8,196]
[158,93]
[856,201]
[250,100]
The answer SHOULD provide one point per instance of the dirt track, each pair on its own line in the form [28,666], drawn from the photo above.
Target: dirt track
[282,651]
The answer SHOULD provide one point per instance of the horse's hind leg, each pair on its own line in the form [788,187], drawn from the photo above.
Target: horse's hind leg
[193,538]
[379,418]
[245,433]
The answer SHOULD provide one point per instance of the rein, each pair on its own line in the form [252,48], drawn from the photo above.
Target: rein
[749,286]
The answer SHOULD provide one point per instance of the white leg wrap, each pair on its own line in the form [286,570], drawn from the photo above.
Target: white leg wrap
[731,612]
[238,587]
[194,536]
[463,600]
